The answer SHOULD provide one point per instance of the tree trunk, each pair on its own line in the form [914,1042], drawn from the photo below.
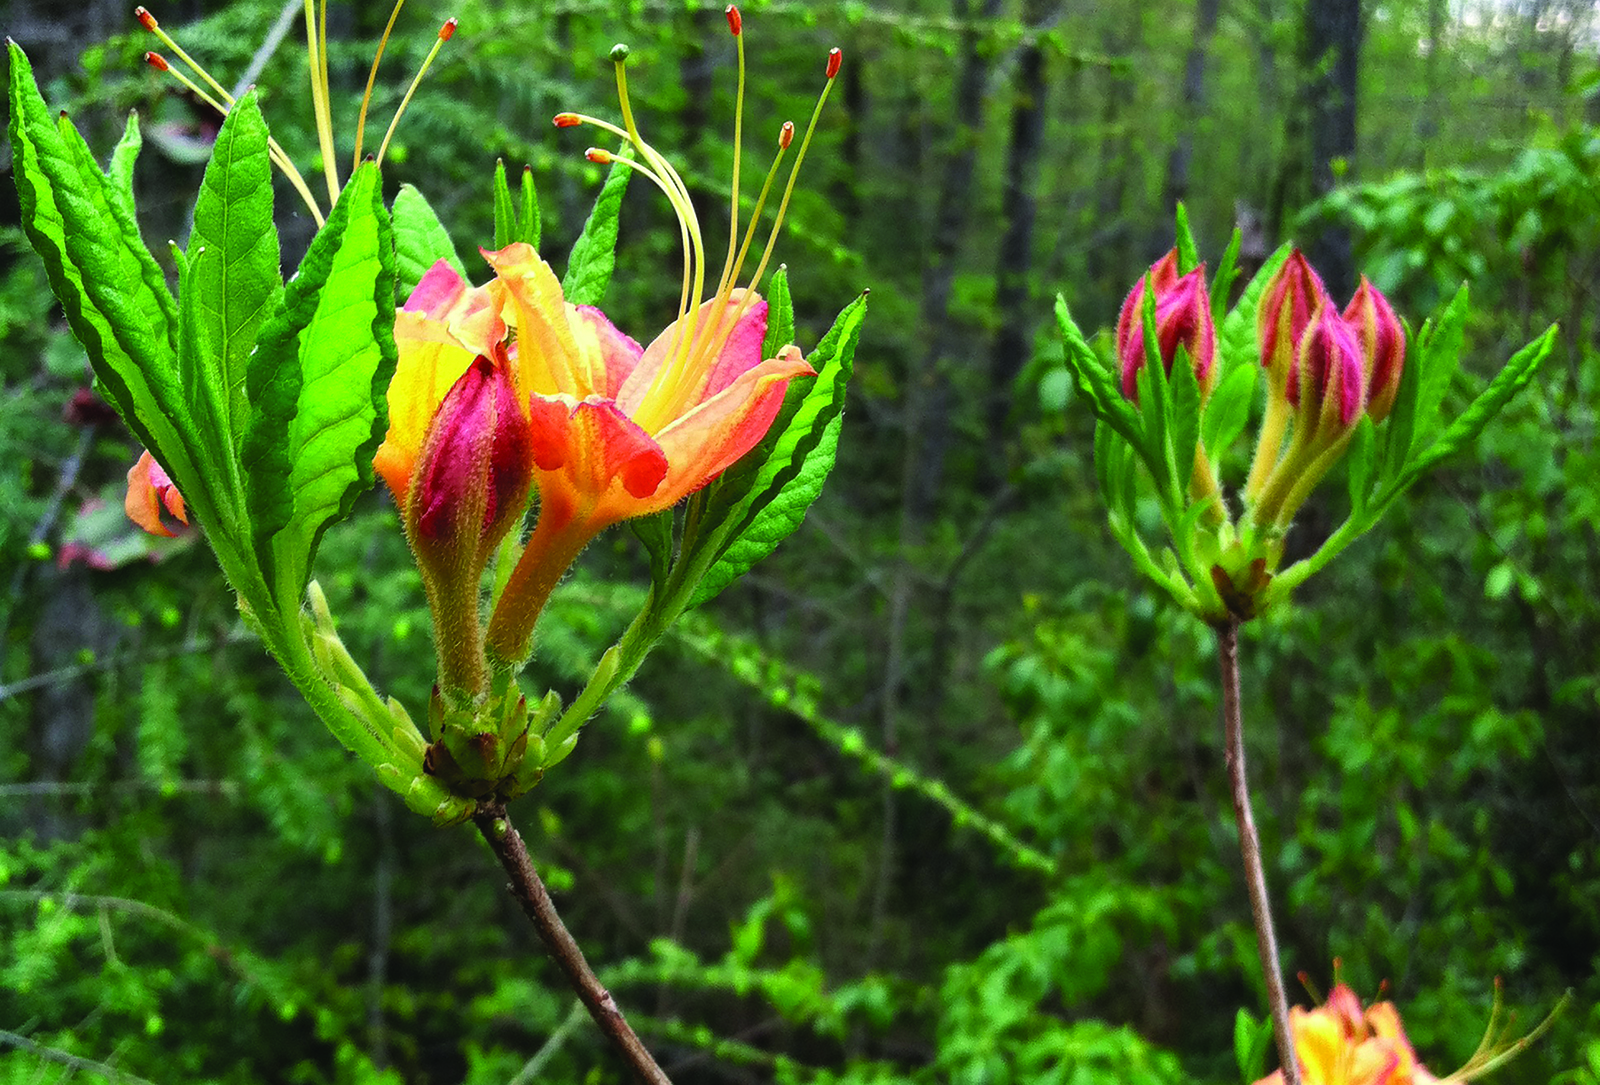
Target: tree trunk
[1332,52]
[1191,107]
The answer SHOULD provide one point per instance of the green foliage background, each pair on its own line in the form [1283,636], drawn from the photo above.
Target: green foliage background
[980,838]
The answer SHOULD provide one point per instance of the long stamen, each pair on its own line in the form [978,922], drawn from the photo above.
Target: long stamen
[372,78]
[280,158]
[148,21]
[735,24]
[316,44]
[445,32]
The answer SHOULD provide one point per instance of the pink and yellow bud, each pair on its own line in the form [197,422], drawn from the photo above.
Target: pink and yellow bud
[1288,303]
[1183,318]
[1383,346]
[1328,382]
[150,492]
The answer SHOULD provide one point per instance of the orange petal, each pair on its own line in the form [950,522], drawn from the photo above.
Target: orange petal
[550,360]
[740,353]
[143,503]
[594,445]
[711,437]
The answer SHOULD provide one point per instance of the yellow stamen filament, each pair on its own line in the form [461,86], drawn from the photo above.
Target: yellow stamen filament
[372,77]
[316,48]
[738,142]
[275,151]
[444,35]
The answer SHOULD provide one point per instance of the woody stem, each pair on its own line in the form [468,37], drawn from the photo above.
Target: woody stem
[531,894]
[1250,849]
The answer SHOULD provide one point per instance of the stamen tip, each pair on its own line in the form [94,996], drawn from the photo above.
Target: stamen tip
[567,120]
[157,61]
[598,156]
[619,53]
[735,23]
[835,58]
[147,20]
[447,29]
[786,135]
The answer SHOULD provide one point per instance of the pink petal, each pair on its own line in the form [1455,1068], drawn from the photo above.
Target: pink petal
[739,354]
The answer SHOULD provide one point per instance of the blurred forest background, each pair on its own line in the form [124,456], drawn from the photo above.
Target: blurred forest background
[937,793]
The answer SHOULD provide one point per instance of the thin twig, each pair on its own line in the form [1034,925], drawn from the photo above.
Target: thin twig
[67,1059]
[530,892]
[535,1066]
[1250,849]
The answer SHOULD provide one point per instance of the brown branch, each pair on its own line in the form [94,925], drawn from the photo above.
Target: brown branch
[530,892]
[1250,849]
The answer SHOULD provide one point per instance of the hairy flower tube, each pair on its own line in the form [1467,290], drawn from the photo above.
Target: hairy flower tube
[622,431]
[1183,318]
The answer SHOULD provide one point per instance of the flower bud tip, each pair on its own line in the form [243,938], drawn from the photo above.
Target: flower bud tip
[835,58]
[786,134]
[156,61]
[567,120]
[619,53]
[447,29]
[147,20]
[735,23]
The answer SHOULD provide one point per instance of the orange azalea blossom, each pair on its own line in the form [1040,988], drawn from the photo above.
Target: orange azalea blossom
[150,492]
[1339,1044]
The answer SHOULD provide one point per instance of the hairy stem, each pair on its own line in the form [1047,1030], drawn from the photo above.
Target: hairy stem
[530,892]
[1250,849]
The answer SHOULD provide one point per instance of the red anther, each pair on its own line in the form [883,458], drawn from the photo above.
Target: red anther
[447,29]
[835,58]
[786,135]
[598,156]
[735,23]
[157,61]
[567,120]
[145,18]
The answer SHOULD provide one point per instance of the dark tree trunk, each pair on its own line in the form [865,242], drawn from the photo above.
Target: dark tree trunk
[1332,53]
[1192,106]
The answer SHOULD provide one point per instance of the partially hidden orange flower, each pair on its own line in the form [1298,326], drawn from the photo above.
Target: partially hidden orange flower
[150,492]
[1340,1044]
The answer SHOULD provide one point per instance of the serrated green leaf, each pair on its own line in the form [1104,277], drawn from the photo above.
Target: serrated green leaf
[1400,425]
[656,534]
[1184,425]
[1439,357]
[420,240]
[772,504]
[233,277]
[780,315]
[1227,412]
[97,277]
[1155,403]
[1097,384]
[505,215]
[1188,253]
[1359,463]
[594,254]
[1236,338]
[529,225]
[319,384]
[123,158]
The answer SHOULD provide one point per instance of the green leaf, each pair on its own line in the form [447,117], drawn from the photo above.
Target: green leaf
[594,254]
[95,270]
[1188,254]
[1227,412]
[1222,282]
[1184,424]
[1439,357]
[505,215]
[319,382]
[233,257]
[773,502]
[1507,383]
[1155,405]
[780,315]
[529,226]
[123,157]
[656,534]
[1359,464]
[1401,423]
[1097,384]
[420,240]
[1236,339]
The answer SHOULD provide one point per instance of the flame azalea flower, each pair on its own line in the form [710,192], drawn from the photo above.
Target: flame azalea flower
[150,492]
[621,431]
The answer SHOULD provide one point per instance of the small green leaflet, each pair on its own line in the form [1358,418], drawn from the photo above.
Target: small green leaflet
[1236,337]
[801,457]
[515,221]
[420,240]
[1227,412]
[319,381]
[1439,350]
[1188,253]
[1096,383]
[594,254]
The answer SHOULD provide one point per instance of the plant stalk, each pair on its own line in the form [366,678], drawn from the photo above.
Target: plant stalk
[1250,849]
[530,892]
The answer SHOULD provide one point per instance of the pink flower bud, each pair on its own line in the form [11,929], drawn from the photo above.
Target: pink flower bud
[1333,373]
[1383,346]
[472,479]
[1183,316]
[1286,307]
